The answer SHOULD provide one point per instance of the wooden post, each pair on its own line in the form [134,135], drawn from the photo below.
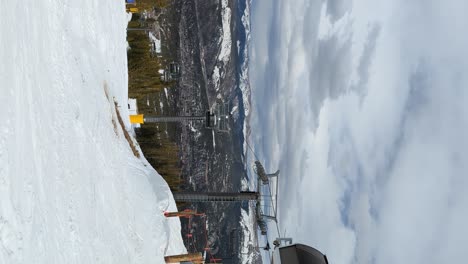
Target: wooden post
[194,257]
[185,213]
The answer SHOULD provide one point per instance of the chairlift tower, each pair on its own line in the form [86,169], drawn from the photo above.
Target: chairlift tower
[216,119]
[257,196]
[215,196]
[139,29]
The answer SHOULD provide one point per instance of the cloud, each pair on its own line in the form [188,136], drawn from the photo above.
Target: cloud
[366,60]
[337,8]
[330,72]
[362,105]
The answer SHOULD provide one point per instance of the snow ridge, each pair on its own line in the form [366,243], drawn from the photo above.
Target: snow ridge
[226,41]
[244,83]
[247,222]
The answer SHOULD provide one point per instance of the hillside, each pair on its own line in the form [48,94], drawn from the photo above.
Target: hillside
[72,190]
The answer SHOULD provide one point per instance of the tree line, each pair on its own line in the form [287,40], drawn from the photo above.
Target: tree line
[144,81]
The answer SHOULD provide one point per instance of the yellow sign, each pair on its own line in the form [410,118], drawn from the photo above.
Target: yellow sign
[132,9]
[137,119]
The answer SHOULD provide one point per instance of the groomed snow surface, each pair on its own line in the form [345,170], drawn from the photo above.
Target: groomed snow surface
[71,189]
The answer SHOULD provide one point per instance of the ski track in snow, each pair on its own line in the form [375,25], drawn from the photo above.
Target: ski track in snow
[71,190]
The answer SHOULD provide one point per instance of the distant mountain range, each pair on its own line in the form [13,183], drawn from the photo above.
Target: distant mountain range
[213,54]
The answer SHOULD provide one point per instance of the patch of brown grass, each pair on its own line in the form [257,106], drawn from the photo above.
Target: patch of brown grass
[114,123]
[122,125]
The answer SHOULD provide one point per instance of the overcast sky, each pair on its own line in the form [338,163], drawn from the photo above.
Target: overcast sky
[363,105]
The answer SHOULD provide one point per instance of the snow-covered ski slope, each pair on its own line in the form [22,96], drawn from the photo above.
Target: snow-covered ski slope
[71,189]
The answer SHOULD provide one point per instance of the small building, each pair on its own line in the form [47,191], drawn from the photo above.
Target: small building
[167,76]
[174,69]
[155,43]
[133,110]
[221,111]
[172,72]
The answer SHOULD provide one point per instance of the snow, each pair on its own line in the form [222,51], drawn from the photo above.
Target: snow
[216,78]
[244,83]
[246,18]
[214,139]
[129,18]
[226,40]
[156,41]
[71,190]
[234,109]
[194,130]
[248,235]
[245,184]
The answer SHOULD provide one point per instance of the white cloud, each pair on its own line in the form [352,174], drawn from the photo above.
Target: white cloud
[368,124]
